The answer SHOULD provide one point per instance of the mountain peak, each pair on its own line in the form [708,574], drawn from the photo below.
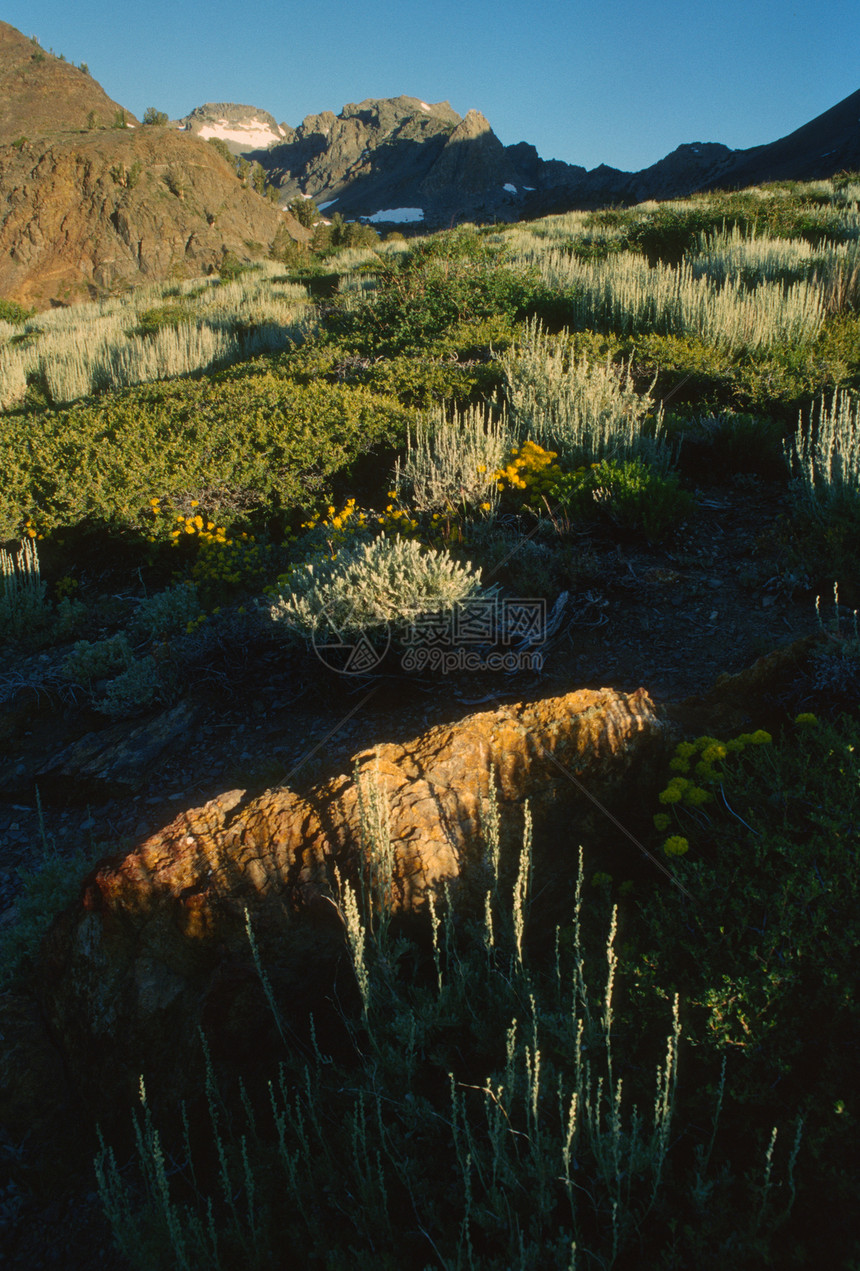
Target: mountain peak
[243,128]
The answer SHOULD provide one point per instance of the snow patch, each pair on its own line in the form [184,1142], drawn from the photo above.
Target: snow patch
[530,188]
[511,189]
[424,106]
[253,133]
[321,207]
[827,152]
[400,215]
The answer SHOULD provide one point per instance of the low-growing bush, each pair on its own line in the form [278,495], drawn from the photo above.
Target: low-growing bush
[365,590]
[166,613]
[141,685]
[825,459]
[636,498]
[581,411]
[253,437]
[24,609]
[96,660]
[451,463]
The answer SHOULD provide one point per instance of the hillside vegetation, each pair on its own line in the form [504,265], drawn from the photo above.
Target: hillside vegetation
[543,410]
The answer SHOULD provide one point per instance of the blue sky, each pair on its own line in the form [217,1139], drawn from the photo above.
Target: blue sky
[616,81]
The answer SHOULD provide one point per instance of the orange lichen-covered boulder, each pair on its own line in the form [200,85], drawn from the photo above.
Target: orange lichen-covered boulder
[157,947]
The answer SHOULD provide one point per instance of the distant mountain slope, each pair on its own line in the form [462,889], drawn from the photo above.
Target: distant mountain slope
[827,144]
[88,208]
[403,159]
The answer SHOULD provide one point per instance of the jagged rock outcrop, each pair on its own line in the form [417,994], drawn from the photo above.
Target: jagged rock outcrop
[404,153]
[105,210]
[156,946]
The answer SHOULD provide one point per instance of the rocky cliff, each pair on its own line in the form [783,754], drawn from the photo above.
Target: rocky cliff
[91,203]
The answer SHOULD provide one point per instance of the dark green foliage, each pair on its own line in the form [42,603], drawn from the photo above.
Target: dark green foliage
[444,281]
[305,211]
[11,311]
[634,498]
[231,267]
[668,232]
[153,117]
[252,437]
[716,447]
[765,948]
[219,144]
[156,319]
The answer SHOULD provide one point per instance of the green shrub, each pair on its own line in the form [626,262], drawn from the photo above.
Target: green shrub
[167,612]
[90,661]
[249,438]
[449,279]
[46,889]
[581,411]
[635,498]
[496,1128]
[763,944]
[160,316]
[144,683]
[24,610]
[718,446]
[450,463]
[826,461]
[11,311]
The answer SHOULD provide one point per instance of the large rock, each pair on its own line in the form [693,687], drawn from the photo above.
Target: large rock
[156,947]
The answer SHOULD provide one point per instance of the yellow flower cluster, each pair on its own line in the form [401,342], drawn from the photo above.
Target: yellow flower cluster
[223,562]
[531,468]
[342,526]
[702,759]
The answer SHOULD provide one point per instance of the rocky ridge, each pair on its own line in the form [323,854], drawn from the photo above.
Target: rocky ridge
[401,153]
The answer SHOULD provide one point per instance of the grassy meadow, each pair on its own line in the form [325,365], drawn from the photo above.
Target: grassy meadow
[665,1075]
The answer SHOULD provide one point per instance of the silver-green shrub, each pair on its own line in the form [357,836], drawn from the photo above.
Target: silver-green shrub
[166,613]
[23,607]
[95,660]
[826,453]
[450,463]
[389,581]
[136,689]
[583,411]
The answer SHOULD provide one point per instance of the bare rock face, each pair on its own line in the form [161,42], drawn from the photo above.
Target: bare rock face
[91,203]
[102,210]
[157,947]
